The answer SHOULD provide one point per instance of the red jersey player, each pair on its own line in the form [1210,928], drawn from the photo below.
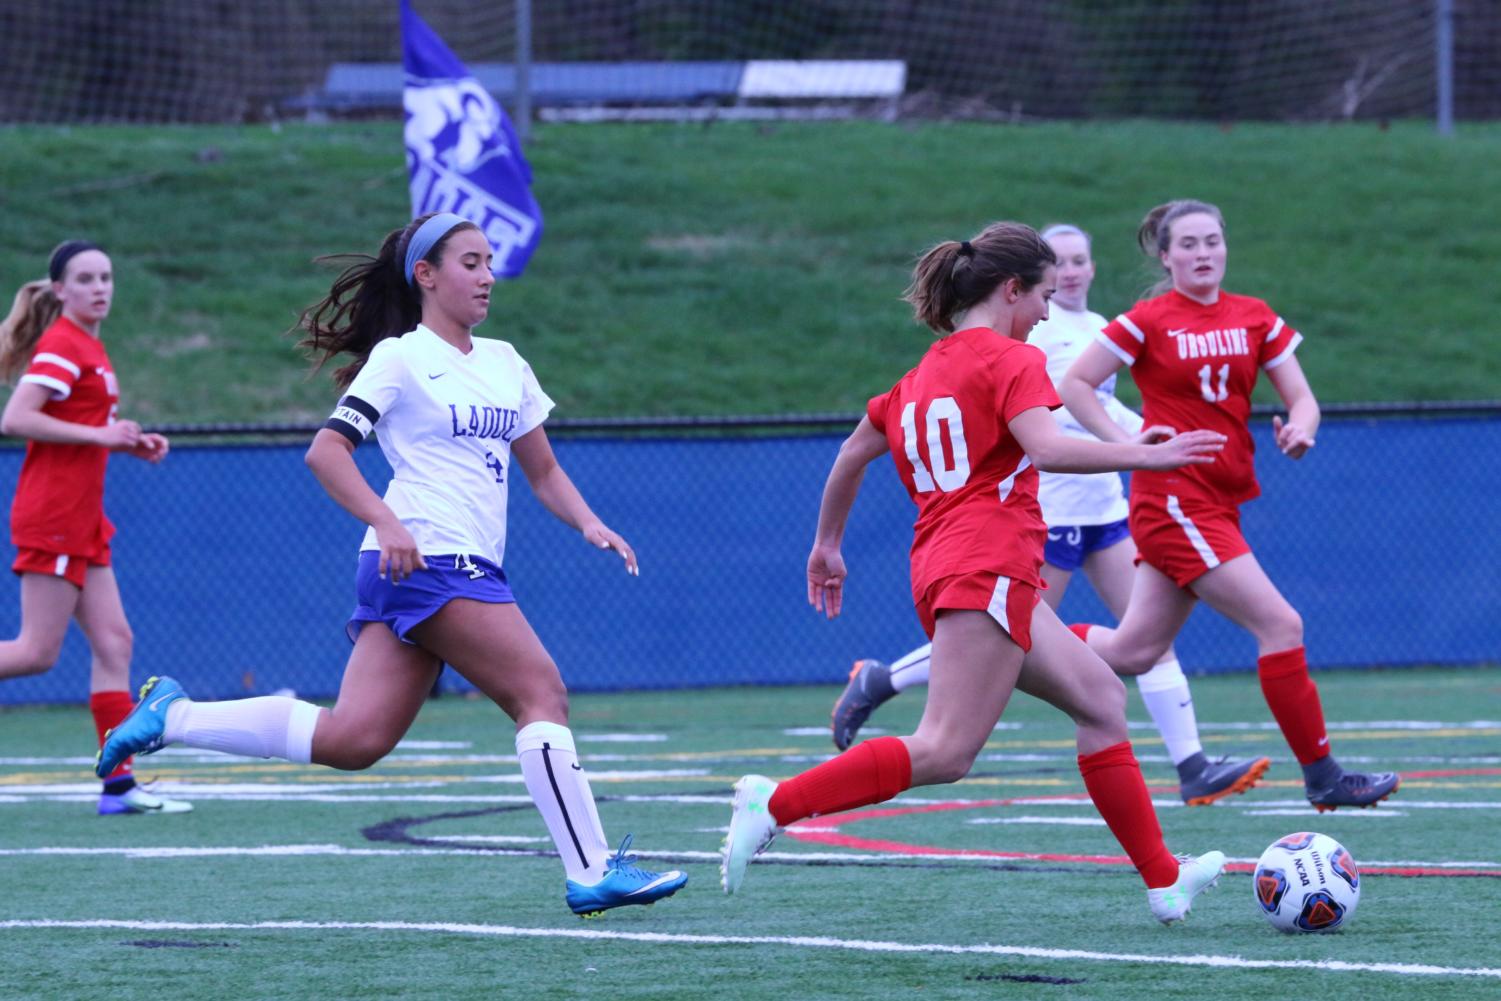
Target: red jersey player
[65,405]
[1195,352]
[968,429]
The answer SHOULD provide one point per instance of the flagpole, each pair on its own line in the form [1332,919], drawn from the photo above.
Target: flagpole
[523,103]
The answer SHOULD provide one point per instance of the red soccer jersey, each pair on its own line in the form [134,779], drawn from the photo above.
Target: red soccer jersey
[59,503]
[1195,366]
[975,489]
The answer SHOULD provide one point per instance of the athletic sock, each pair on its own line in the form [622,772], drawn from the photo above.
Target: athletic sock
[119,786]
[1294,701]
[870,772]
[911,669]
[109,710]
[556,781]
[271,726]
[1164,690]
[1113,779]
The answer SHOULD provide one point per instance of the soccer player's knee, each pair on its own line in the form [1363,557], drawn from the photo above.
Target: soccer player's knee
[361,751]
[1108,700]
[38,657]
[115,646]
[950,764]
[1287,628]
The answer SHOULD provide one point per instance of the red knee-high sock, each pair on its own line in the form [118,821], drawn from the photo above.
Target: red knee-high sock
[1294,701]
[1114,781]
[109,709]
[870,772]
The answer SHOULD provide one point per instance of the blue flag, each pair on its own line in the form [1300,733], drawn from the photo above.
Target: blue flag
[462,153]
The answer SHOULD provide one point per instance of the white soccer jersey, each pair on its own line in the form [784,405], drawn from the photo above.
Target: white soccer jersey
[445,421]
[1079,498]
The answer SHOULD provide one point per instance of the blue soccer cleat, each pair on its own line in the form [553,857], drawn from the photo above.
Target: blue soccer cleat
[141,731]
[623,884]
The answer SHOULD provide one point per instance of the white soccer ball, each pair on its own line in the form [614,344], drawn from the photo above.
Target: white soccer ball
[1307,882]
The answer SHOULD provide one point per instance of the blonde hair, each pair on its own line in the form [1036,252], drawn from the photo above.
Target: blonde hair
[33,311]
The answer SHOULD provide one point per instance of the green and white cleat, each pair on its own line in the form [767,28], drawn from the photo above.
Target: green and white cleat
[1195,875]
[752,829]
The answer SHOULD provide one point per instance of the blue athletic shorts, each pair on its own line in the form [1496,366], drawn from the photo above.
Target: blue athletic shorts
[404,606]
[1068,545]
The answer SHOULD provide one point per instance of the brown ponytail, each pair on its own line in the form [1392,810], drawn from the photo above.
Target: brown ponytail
[955,275]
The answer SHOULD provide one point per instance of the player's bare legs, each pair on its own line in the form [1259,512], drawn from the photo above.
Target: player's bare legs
[385,683]
[495,648]
[47,603]
[1064,673]
[101,616]
[1241,591]
[1165,692]
[1153,616]
[975,667]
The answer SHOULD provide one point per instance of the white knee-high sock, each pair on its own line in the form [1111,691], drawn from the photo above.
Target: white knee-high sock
[556,781]
[1164,689]
[272,726]
[912,669]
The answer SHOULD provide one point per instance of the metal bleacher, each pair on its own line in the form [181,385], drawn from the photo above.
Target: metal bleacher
[595,91]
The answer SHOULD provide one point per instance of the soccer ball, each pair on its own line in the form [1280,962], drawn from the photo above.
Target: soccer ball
[1307,882]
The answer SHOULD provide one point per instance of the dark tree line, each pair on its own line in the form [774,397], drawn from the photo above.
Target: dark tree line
[216,60]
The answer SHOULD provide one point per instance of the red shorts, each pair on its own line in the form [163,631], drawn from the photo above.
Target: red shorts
[1185,539]
[1009,602]
[70,568]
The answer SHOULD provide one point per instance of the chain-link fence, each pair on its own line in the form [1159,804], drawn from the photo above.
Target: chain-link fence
[237,571]
[1216,60]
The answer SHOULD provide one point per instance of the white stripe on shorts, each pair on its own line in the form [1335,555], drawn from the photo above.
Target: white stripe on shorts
[1192,531]
[61,569]
[997,606]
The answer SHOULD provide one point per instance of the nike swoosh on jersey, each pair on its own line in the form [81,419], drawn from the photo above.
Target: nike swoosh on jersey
[438,376]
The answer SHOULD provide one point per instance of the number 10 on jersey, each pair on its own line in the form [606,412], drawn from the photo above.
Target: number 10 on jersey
[942,411]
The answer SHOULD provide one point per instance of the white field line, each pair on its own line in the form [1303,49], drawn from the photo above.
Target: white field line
[867,858]
[791,941]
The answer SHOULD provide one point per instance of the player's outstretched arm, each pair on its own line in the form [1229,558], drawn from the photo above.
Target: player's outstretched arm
[1077,391]
[1055,452]
[826,570]
[553,487]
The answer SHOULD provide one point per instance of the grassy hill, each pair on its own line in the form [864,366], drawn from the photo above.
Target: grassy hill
[746,269]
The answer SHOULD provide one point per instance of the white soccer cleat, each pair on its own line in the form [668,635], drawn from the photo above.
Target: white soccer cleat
[138,800]
[1195,875]
[752,829]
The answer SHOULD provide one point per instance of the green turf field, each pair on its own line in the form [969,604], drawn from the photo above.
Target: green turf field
[755,269]
[428,876]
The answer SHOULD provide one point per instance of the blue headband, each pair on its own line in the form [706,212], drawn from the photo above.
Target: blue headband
[428,234]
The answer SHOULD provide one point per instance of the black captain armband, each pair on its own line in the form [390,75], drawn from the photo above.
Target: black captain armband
[353,418]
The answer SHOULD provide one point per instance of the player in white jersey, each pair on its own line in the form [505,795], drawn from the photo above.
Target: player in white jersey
[451,410]
[1086,518]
